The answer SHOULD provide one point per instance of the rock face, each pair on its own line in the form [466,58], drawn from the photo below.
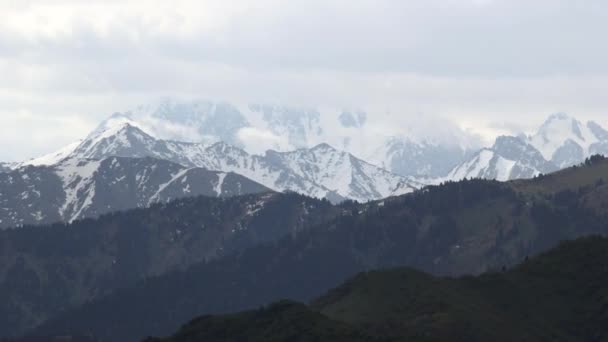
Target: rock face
[82,188]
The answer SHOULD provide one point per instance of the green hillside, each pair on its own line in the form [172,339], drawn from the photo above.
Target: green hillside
[558,296]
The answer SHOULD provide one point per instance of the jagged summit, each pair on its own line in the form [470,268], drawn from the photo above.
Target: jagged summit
[325,168]
[566,141]
[561,141]
[81,188]
[321,172]
[509,158]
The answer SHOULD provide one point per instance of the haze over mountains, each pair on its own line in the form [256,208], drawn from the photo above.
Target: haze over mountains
[201,148]
[303,171]
[130,226]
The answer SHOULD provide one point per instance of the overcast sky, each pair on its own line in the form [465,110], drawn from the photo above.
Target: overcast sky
[489,65]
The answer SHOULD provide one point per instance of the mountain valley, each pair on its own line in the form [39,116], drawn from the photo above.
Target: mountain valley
[538,300]
[459,228]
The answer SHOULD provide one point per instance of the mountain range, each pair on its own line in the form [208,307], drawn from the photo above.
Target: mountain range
[458,228]
[77,188]
[561,141]
[433,152]
[80,180]
[430,148]
[119,166]
[257,128]
[326,172]
[172,211]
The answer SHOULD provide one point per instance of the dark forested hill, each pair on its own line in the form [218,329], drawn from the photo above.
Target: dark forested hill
[49,269]
[282,321]
[559,296]
[467,227]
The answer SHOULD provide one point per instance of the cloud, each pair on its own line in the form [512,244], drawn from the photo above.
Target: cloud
[259,140]
[475,62]
[461,38]
[23,131]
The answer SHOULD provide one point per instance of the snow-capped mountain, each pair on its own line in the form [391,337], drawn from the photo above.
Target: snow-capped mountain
[51,158]
[509,158]
[321,172]
[560,142]
[419,159]
[565,141]
[342,173]
[302,126]
[194,121]
[257,128]
[81,188]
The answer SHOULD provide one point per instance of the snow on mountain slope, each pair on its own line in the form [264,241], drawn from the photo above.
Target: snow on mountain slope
[566,141]
[79,188]
[301,126]
[117,136]
[509,158]
[438,144]
[561,141]
[331,174]
[194,121]
[224,157]
[321,172]
[52,158]
[77,178]
[422,159]
[341,172]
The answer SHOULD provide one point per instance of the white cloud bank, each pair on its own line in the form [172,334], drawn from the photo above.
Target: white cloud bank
[258,140]
[69,63]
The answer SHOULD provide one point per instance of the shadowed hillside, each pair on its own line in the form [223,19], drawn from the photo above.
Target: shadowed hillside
[559,296]
[466,227]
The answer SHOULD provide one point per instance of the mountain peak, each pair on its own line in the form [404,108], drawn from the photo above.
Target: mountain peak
[114,120]
[558,116]
[115,123]
[561,122]
[122,128]
[324,146]
[557,130]
[116,136]
[507,140]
